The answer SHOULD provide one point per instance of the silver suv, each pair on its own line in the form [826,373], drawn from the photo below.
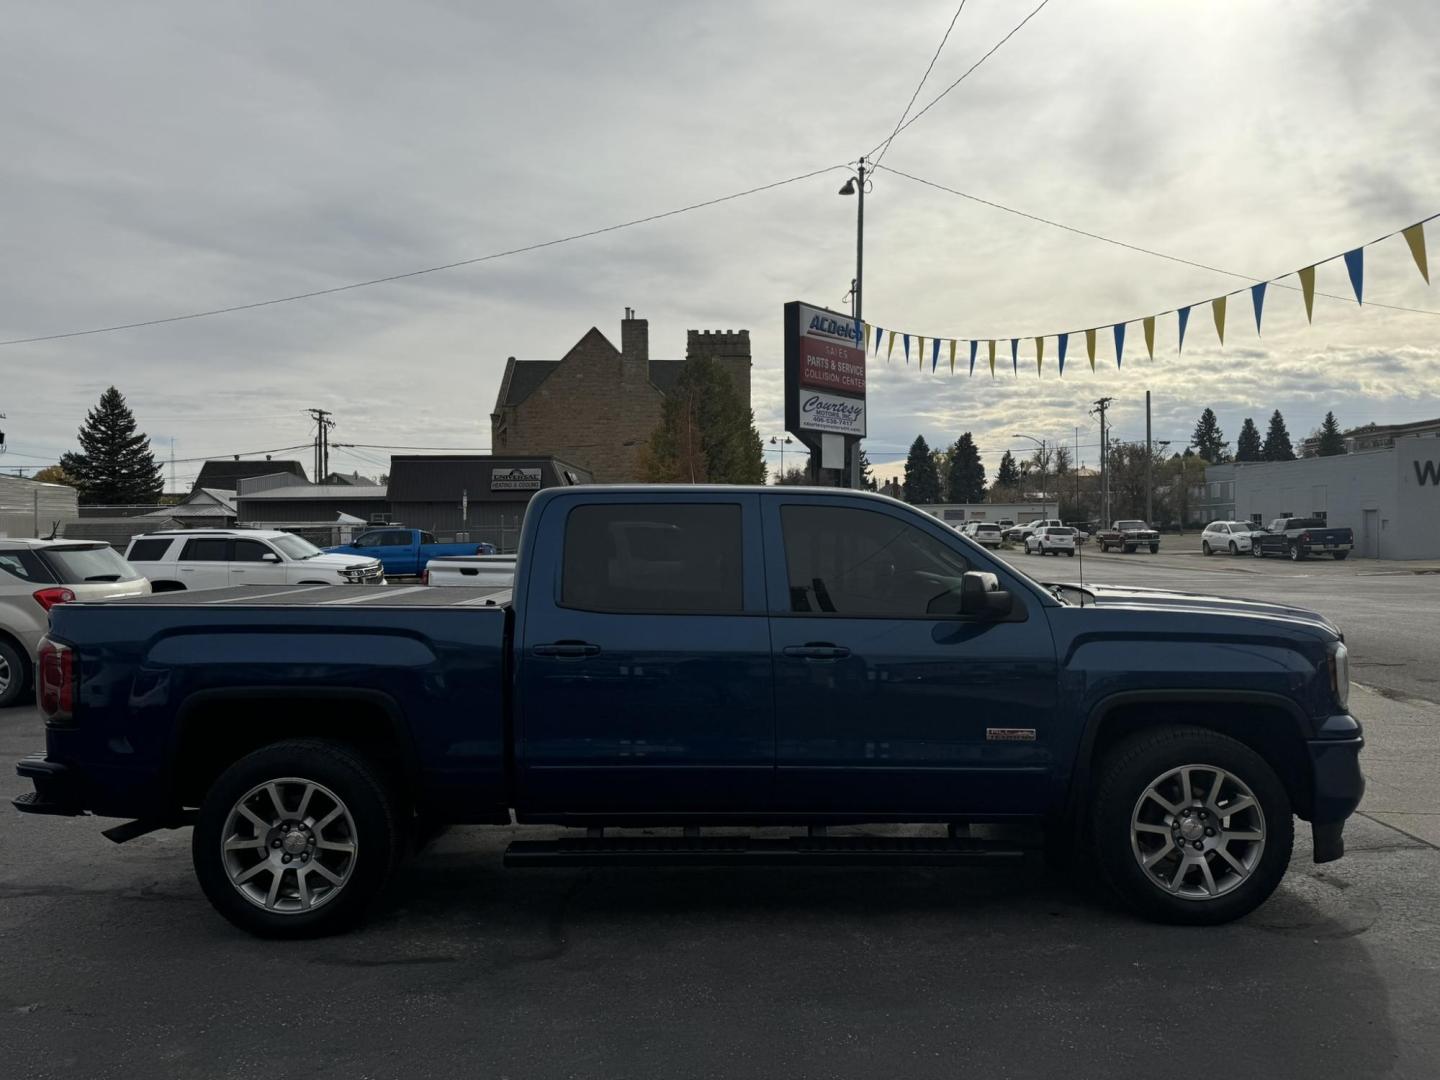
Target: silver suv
[35,575]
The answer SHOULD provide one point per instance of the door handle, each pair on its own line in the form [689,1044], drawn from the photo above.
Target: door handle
[817,650]
[567,650]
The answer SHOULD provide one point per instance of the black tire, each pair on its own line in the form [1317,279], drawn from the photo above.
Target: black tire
[1256,550]
[1234,548]
[1130,767]
[379,835]
[1296,553]
[1205,548]
[1340,555]
[1070,553]
[1154,549]
[16,665]
[166,586]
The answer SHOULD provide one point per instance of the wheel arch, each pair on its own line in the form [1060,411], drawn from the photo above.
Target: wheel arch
[1272,725]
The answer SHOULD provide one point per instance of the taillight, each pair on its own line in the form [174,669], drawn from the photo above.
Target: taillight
[1304,538]
[48,598]
[55,684]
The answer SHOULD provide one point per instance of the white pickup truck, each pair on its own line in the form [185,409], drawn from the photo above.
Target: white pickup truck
[470,570]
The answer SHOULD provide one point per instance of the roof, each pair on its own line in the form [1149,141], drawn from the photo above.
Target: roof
[527,375]
[200,503]
[224,473]
[338,492]
[12,542]
[229,531]
[449,477]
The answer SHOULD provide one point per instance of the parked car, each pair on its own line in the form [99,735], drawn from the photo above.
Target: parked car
[1231,536]
[217,558]
[470,570]
[1051,540]
[689,656]
[404,552]
[983,532]
[35,576]
[1300,538]
[1129,535]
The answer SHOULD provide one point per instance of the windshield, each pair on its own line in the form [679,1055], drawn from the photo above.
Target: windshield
[77,565]
[1307,523]
[1131,525]
[295,547]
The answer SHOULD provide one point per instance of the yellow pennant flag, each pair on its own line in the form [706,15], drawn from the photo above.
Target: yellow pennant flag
[1307,286]
[1039,354]
[1090,347]
[1415,237]
[1218,305]
[952,356]
[1150,336]
[865,338]
[920,353]
[992,358]
[890,348]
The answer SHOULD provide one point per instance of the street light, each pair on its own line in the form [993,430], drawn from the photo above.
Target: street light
[855,185]
[1043,454]
[777,440]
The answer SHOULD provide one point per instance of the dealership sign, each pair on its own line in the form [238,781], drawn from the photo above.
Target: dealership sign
[515,479]
[824,372]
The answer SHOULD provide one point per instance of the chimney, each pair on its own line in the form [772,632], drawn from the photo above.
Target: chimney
[634,338]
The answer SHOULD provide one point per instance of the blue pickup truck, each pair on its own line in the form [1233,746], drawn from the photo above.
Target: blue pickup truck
[404,552]
[686,657]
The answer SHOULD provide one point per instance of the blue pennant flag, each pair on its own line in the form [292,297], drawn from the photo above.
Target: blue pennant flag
[1184,314]
[859,331]
[1119,342]
[1257,297]
[1064,340]
[907,348]
[1355,263]
[935,354]
[973,346]
[1015,355]
[878,332]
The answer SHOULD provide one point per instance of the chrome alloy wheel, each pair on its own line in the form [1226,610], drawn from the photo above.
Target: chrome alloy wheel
[289,845]
[1197,832]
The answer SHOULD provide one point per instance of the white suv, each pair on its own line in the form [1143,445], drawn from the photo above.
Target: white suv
[218,558]
[35,575]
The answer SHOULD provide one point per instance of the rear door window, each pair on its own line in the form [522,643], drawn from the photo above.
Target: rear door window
[148,550]
[206,549]
[77,565]
[652,557]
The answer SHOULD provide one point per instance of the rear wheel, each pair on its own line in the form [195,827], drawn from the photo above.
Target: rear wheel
[14,674]
[1071,553]
[1256,550]
[1296,553]
[1205,547]
[297,839]
[1190,826]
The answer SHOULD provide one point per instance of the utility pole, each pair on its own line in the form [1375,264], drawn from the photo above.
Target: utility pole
[1100,407]
[850,475]
[1149,455]
[323,424]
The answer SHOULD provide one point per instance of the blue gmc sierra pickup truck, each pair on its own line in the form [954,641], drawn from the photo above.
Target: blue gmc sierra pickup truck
[689,657]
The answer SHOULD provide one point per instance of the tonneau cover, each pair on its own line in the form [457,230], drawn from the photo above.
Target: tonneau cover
[370,596]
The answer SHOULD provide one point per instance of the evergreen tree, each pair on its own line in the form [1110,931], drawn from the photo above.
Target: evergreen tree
[966,480]
[706,434]
[1331,441]
[867,481]
[922,481]
[1208,440]
[115,464]
[1247,447]
[1277,440]
[1008,475]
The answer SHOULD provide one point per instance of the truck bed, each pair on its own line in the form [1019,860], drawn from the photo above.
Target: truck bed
[370,596]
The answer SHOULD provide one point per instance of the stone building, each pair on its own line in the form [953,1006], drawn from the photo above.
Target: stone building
[597,406]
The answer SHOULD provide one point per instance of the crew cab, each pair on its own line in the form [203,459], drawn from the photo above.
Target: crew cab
[404,552]
[678,658]
[1299,538]
[185,559]
[1129,535]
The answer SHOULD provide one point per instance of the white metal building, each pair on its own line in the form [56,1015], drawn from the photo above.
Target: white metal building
[32,508]
[958,514]
[1389,497]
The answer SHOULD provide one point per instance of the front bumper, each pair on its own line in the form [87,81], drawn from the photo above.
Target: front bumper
[1337,785]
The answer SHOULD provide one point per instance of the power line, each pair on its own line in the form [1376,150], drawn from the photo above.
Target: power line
[1164,255]
[921,83]
[427,270]
[993,49]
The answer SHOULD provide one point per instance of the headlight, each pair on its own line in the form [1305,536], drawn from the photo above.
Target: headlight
[1340,673]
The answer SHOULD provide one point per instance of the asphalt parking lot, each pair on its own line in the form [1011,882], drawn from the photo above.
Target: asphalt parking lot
[115,965]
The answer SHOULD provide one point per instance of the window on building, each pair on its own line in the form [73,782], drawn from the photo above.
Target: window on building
[844,561]
[1257,519]
[1319,515]
[652,557]
[148,550]
[208,549]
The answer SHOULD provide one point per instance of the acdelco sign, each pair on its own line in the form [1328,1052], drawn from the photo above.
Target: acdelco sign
[824,376]
[825,325]
[830,356]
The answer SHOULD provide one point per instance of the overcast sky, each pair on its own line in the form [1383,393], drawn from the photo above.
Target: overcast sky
[167,158]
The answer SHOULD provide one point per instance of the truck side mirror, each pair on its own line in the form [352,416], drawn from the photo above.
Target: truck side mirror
[981,596]
[270,557]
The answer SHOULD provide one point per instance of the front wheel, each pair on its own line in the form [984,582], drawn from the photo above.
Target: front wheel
[1205,548]
[1234,548]
[297,839]
[1070,553]
[1154,549]
[1190,826]
[1129,549]
[1256,550]
[1296,554]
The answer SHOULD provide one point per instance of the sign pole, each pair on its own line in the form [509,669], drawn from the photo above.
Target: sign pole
[851,477]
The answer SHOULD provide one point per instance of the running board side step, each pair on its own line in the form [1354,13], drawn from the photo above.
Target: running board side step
[757,851]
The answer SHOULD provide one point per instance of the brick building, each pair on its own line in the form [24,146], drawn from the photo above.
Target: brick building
[597,406]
